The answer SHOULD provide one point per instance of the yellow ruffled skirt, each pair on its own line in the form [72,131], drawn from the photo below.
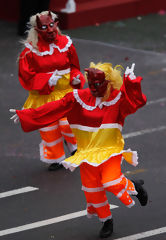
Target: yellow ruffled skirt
[95,148]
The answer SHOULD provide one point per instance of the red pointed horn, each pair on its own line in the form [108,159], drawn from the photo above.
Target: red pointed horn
[56,23]
[49,14]
[39,24]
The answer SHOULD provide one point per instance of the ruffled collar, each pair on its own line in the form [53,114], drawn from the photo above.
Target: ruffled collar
[62,44]
[89,102]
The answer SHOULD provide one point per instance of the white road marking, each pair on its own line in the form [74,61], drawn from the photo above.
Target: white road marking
[46,222]
[156,101]
[142,132]
[144,234]
[17,191]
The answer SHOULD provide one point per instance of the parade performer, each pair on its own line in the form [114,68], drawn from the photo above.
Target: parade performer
[96,116]
[49,68]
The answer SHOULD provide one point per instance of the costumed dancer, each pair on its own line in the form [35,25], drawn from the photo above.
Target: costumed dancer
[96,116]
[49,68]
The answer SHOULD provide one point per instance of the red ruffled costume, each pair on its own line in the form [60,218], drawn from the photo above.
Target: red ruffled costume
[36,68]
[97,126]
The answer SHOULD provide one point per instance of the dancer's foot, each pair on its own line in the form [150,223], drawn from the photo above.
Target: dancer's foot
[142,193]
[107,229]
[55,166]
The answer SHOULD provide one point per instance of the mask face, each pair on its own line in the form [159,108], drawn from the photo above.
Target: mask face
[46,27]
[96,82]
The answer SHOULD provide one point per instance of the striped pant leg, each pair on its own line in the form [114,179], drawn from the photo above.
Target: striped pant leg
[97,203]
[114,181]
[51,146]
[67,134]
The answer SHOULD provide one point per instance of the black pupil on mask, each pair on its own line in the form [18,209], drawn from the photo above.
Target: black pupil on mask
[97,84]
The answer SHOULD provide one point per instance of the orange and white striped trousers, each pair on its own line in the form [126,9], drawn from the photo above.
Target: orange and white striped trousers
[51,146]
[105,177]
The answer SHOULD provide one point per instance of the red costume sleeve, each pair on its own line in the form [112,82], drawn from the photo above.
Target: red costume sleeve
[75,67]
[132,96]
[32,119]
[29,78]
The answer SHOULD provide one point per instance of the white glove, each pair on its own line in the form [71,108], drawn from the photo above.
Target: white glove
[53,80]
[15,117]
[76,80]
[130,72]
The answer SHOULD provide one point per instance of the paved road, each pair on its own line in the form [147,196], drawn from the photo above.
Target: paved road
[55,194]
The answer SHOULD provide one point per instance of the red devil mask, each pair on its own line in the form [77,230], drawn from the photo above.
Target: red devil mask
[96,82]
[46,27]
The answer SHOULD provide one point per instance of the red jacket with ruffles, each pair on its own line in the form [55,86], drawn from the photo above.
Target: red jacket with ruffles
[37,66]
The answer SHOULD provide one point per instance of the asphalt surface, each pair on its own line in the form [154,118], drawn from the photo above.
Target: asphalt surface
[142,32]
[58,193]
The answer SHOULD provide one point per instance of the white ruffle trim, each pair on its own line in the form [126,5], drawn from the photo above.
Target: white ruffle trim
[135,159]
[98,103]
[52,46]
[84,105]
[112,102]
